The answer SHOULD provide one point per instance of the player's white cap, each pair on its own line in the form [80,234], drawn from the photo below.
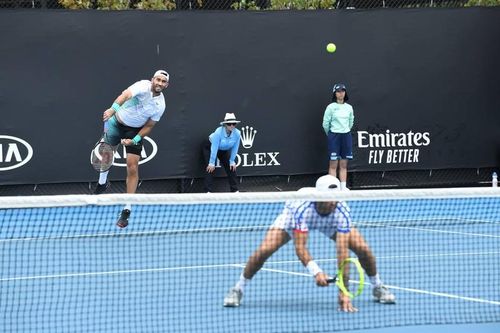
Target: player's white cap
[163,73]
[327,183]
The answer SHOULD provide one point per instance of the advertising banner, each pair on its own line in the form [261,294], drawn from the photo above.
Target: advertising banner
[424,96]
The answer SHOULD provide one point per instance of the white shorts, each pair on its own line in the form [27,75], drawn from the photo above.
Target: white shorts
[327,226]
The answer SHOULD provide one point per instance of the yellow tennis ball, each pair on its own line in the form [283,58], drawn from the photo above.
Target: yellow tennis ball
[331,47]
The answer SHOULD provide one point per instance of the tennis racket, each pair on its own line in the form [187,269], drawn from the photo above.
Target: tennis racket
[339,278]
[103,155]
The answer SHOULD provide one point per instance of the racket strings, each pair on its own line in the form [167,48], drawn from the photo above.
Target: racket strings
[102,157]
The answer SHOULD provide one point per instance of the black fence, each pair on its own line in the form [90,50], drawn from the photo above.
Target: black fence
[356,181]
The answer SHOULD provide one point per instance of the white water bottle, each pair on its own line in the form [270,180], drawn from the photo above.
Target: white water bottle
[494,180]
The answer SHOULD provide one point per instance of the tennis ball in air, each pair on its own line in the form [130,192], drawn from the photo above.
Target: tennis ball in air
[331,47]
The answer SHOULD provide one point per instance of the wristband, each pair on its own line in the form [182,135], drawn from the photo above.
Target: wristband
[313,268]
[137,139]
[115,107]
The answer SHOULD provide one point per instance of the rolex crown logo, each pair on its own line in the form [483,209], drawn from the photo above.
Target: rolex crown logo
[247,136]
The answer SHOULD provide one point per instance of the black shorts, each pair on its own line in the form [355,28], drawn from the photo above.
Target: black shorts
[117,131]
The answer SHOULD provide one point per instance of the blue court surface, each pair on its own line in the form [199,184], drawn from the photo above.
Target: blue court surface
[170,269]
[464,328]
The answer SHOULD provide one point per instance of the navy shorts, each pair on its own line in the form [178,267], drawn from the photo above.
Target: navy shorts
[340,146]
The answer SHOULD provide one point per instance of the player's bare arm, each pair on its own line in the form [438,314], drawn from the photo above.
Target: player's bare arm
[300,241]
[342,244]
[145,131]
[122,98]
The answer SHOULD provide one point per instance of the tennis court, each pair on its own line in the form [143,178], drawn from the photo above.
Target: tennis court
[62,271]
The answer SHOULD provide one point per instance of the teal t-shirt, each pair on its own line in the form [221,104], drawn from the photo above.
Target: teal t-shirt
[338,118]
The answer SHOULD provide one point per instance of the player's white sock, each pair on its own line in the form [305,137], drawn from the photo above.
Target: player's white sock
[128,206]
[375,280]
[343,185]
[242,283]
[103,176]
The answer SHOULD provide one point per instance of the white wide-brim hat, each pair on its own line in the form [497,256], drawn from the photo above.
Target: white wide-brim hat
[230,118]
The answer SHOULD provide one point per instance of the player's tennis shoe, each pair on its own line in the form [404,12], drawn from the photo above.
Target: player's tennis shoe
[101,188]
[233,298]
[123,220]
[383,295]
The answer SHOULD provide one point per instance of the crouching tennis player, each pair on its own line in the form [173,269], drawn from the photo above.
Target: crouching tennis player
[334,221]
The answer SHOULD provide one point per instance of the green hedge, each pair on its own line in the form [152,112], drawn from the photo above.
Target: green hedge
[118,4]
[239,5]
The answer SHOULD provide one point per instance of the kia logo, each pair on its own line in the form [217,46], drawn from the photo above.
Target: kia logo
[14,152]
[149,150]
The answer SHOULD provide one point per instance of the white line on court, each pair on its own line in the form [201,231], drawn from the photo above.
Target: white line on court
[457,219]
[127,271]
[165,269]
[429,230]
[227,229]
[137,233]
[414,256]
[418,291]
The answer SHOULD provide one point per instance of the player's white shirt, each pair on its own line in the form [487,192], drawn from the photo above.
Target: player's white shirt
[142,106]
[301,216]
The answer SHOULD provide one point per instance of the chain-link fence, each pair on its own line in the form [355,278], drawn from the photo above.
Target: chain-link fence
[356,181]
[239,5]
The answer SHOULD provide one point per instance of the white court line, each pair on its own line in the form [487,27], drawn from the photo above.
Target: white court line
[382,223]
[137,233]
[215,229]
[434,219]
[418,291]
[164,269]
[429,230]
[413,256]
[127,271]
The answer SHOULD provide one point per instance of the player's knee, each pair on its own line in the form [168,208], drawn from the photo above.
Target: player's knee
[363,253]
[132,169]
[264,252]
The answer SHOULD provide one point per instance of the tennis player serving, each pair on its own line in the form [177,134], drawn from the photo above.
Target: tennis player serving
[132,116]
[334,221]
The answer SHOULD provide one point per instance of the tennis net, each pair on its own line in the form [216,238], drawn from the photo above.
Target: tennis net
[66,267]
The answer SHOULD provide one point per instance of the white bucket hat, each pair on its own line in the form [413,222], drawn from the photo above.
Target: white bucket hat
[230,118]
[327,183]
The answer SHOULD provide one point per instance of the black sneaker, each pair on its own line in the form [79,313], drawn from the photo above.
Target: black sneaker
[99,189]
[123,220]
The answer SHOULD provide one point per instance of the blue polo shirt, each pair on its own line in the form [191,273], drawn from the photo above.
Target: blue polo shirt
[222,141]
